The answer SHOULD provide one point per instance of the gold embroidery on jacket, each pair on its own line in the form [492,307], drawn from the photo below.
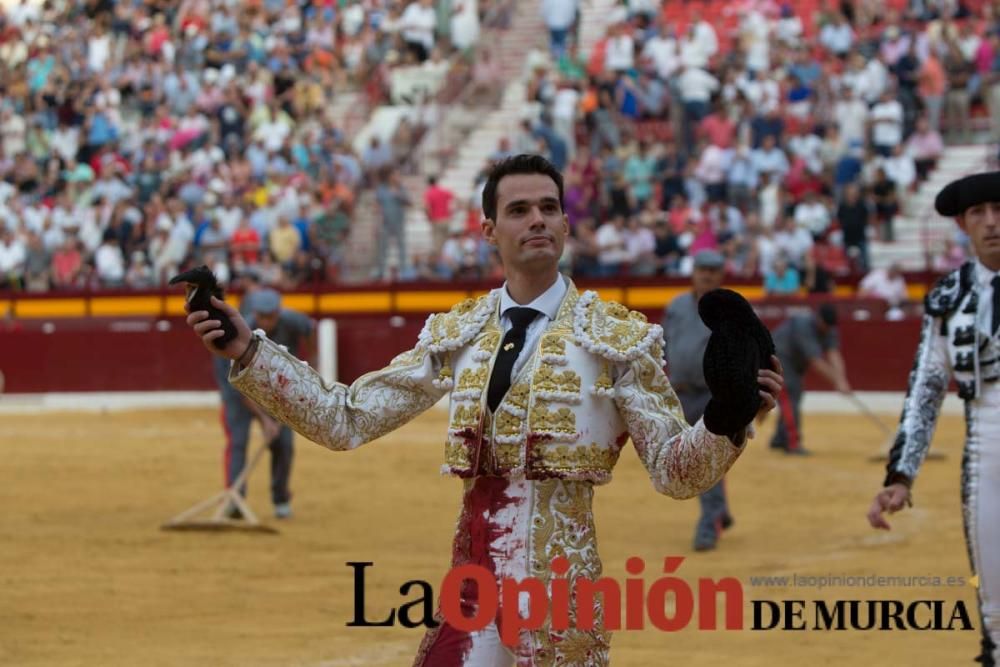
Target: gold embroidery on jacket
[473,379]
[575,459]
[466,416]
[560,422]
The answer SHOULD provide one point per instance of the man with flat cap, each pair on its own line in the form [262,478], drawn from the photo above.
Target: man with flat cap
[686,338]
[295,332]
[960,339]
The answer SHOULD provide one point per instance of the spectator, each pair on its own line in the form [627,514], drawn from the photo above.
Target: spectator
[612,253]
[12,258]
[619,50]
[699,44]
[109,262]
[140,273]
[393,201]
[66,264]
[925,148]
[711,171]
[640,244]
[837,36]
[932,86]
[887,284]
[559,17]
[958,71]
[438,202]
[951,257]
[901,170]
[37,263]
[742,179]
[661,51]
[770,160]
[284,241]
[417,25]
[854,216]
[886,195]
[695,87]
[783,279]
[887,124]
[812,214]
[639,169]
[794,242]
[825,262]
[376,156]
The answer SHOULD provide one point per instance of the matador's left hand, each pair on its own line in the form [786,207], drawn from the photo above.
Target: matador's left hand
[771,383]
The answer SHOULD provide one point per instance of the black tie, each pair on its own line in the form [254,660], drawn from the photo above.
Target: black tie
[511,346]
[996,303]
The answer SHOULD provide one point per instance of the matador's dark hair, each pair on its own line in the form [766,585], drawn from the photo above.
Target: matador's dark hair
[517,164]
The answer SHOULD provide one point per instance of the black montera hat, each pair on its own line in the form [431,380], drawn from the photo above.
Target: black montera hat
[958,196]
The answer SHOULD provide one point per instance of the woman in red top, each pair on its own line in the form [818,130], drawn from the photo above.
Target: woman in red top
[66,263]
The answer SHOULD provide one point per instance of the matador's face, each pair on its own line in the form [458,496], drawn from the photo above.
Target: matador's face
[982,223]
[531,228]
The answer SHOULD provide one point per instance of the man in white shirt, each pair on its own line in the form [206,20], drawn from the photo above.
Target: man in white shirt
[850,114]
[886,284]
[901,169]
[812,215]
[109,262]
[12,257]
[793,241]
[695,87]
[837,36]
[559,17]
[418,22]
[700,43]
[887,124]
[770,159]
[619,52]
[612,252]
[661,50]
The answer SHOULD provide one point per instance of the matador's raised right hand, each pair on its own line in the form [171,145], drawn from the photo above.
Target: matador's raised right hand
[208,330]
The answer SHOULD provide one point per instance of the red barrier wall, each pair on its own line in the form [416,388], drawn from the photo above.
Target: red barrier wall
[99,354]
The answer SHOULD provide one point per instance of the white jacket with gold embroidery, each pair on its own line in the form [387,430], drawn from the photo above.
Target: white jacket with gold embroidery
[595,379]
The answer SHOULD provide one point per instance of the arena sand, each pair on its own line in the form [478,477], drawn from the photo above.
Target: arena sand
[87,577]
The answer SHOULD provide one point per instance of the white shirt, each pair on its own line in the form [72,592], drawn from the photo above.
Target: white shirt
[559,14]
[807,147]
[814,217]
[109,262]
[696,85]
[12,257]
[419,23]
[887,123]
[662,51]
[547,303]
[610,244]
[564,103]
[878,284]
[795,244]
[851,117]
[837,38]
[901,170]
[619,53]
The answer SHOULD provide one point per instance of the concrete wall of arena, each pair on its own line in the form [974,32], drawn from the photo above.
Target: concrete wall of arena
[129,342]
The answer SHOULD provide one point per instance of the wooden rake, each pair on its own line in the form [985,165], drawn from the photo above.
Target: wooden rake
[222,502]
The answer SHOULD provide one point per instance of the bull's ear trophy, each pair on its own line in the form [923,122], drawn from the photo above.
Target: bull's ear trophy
[201,285]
